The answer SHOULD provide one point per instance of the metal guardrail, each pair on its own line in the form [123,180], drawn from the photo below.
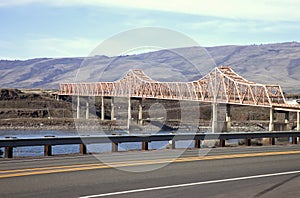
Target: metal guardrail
[48,142]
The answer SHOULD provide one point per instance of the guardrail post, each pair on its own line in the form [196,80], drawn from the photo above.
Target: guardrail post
[114,147]
[8,152]
[272,141]
[294,140]
[248,142]
[145,146]
[83,149]
[47,150]
[197,143]
[171,144]
[222,143]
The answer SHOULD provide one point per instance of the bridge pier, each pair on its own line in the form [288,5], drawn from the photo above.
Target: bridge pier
[298,121]
[102,108]
[112,110]
[129,114]
[214,127]
[228,118]
[140,117]
[271,124]
[87,108]
[78,107]
[287,120]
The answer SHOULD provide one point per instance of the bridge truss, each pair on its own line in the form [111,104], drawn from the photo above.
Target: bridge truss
[221,85]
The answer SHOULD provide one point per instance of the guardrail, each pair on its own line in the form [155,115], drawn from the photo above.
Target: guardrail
[10,142]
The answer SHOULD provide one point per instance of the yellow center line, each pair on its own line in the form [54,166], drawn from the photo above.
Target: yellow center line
[81,167]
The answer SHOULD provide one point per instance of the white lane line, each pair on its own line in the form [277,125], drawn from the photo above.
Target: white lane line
[191,184]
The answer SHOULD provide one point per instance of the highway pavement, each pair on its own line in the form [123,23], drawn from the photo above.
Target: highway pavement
[269,171]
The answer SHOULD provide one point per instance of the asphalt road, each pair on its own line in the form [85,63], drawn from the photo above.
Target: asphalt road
[221,172]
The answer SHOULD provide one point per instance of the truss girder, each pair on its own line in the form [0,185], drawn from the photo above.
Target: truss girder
[221,85]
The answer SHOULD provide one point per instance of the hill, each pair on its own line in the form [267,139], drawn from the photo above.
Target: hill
[270,63]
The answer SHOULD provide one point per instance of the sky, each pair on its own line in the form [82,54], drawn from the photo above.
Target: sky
[73,28]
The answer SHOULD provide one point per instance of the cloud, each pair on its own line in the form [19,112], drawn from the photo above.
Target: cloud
[272,10]
[47,47]
[62,47]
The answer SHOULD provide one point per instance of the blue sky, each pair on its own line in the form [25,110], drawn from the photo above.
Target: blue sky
[69,28]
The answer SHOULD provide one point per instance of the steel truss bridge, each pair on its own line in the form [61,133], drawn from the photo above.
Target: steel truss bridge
[221,85]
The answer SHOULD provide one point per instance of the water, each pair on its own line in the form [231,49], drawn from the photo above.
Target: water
[70,149]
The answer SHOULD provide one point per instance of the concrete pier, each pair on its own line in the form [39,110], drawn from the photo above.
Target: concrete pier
[129,113]
[228,118]
[287,120]
[112,110]
[87,108]
[298,121]
[214,127]
[102,108]
[78,107]
[140,116]
[271,124]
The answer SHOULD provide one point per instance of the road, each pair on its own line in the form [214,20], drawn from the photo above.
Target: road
[221,172]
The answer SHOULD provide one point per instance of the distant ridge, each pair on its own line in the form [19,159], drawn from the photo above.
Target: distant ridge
[277,63]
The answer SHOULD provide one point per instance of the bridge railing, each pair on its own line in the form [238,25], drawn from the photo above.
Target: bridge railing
[48,142]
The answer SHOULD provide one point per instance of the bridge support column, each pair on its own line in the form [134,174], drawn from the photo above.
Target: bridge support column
[78,107]
[140,118]
[271,124]
[214,127]
[114,147]
[298,121]
[102,108]
[228,118]
[87,109]
[287,120]
[129,114]
[145,146]
[197,144]
[47,150]
[8,152]
[112,110]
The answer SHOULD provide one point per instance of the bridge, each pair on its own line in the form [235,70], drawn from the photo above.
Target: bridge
[220,86]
